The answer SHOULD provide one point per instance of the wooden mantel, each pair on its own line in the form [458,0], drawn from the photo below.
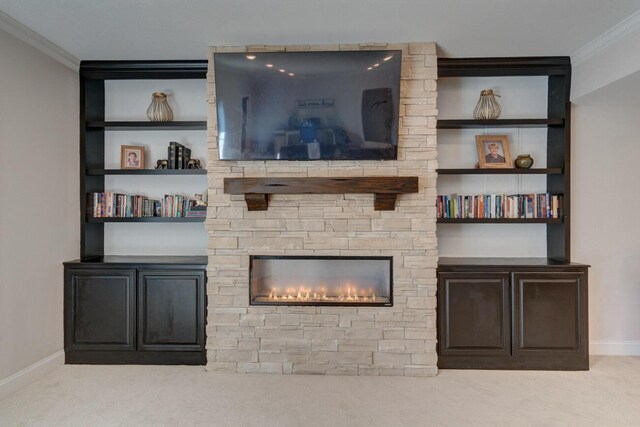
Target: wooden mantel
[385,188]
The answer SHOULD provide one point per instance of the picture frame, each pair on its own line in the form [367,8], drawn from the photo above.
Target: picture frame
[493,152]
[131,157]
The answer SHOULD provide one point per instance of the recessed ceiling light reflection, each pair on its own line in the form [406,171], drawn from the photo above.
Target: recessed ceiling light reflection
[291,74]
[269,65]
[282,70]
[370,68]
[376,65]
[388,58]
[251,57]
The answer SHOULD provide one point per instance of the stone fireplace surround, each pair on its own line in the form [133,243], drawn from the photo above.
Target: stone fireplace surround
[398,340]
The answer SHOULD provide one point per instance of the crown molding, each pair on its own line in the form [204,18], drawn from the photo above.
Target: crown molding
[616,33]
[35,40]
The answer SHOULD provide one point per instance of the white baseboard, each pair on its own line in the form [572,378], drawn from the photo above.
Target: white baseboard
[31,373]
[614,348]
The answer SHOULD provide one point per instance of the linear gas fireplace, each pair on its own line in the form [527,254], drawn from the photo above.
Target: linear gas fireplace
[321,280]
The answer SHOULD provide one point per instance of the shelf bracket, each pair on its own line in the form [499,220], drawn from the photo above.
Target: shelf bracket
[257,201]
[384,201]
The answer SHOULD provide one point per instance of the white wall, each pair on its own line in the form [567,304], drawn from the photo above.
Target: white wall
[605,204]
[39,207]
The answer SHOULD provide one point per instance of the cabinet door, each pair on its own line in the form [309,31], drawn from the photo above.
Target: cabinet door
[171,306]
[100,309]
[473,314]
[550,312]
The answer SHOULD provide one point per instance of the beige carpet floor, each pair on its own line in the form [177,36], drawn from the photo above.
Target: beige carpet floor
[607,395]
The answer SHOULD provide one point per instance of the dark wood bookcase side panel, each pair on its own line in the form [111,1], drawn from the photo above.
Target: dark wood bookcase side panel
[92,98]
[94,149]
[559,155]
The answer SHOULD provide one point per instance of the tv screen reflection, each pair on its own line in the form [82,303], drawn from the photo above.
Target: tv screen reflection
[308,105]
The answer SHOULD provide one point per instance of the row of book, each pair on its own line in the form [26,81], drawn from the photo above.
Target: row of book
[114,205]
[542,205]
[179,156]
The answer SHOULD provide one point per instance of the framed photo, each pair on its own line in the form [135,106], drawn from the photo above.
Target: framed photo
[131,157]
[493,151]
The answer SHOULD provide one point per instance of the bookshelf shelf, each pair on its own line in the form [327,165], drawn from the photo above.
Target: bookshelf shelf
[464,171]
[147,219]
[471,123]
[499,220]
[100,172]
[133,125]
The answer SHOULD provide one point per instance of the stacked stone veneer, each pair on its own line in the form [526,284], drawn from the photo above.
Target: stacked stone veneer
[398,340]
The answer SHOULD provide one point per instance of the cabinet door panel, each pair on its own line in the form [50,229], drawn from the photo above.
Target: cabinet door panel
[171,310]
[473,314]
[550,310]
[100,309]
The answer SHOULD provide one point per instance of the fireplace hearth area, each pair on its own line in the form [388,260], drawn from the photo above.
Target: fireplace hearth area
[309,271]
[321,281]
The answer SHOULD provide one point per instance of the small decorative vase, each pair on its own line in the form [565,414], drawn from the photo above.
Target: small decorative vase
[523,161]
[159,110]
[487,107]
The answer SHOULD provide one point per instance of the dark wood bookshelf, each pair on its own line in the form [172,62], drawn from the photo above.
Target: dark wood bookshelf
[499,220]
[94,126]
[99,172]
[112,302]
[523,123]
[528,297]
[475,171]
[147,219]
[557,71]
[145,125]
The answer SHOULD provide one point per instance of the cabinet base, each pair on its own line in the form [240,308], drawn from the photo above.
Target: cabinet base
[102,357]
[571,363]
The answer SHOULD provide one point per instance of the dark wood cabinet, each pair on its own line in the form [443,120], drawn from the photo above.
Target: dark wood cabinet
[550,311]
[475,314]
[143,310]
[513,314]
[171,317]
[101,309]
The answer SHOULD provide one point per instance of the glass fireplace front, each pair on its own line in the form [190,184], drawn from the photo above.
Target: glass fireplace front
[322,280]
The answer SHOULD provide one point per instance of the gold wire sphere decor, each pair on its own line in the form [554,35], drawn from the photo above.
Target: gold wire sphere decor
[159,109]
[488,107]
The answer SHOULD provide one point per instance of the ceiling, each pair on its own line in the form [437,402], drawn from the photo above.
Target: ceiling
[170,29]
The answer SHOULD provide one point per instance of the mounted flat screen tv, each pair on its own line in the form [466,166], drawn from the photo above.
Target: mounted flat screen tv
[308,105]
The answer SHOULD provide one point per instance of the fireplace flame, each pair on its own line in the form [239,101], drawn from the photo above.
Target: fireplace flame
[302,293]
